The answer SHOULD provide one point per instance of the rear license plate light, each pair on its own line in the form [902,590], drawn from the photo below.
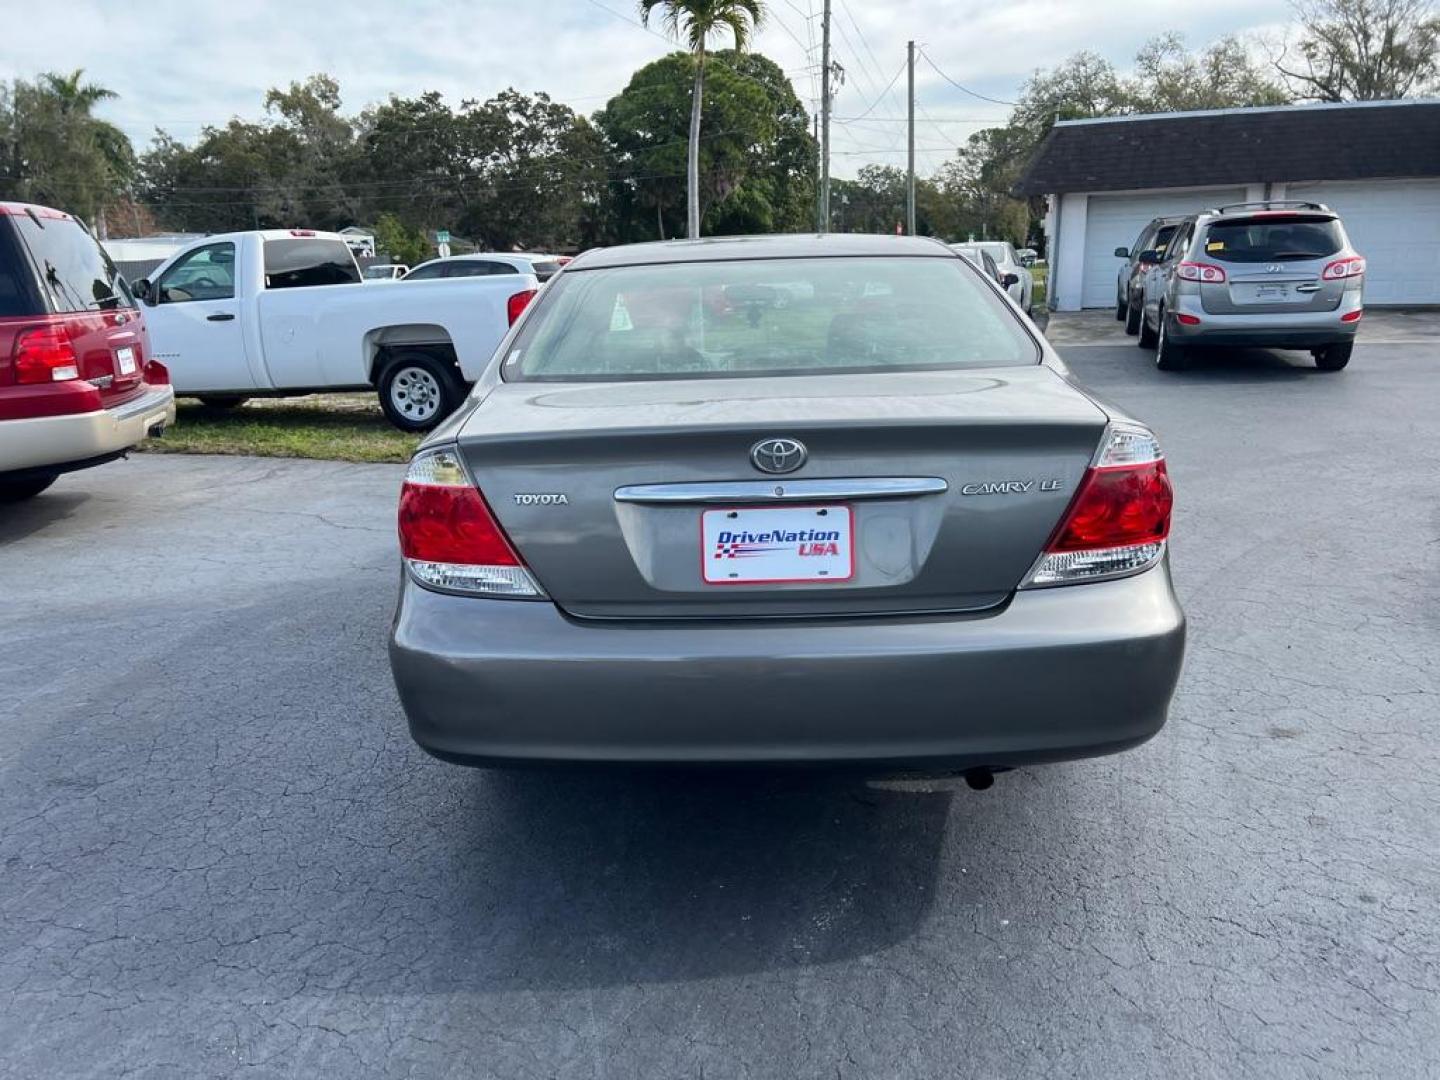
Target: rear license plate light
[777,545]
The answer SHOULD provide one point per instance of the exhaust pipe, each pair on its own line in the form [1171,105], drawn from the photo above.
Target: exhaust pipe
[979,779]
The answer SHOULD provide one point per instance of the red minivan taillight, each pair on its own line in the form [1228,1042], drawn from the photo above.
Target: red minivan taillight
[517,304]
[44,355]
[448,536]
[1119,519]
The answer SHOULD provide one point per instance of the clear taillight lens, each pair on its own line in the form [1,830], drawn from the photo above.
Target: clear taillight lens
[1119,519]
[448,536]
[1343,268]
[1205,273]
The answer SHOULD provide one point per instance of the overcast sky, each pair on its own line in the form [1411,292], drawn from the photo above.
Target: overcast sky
[179,66]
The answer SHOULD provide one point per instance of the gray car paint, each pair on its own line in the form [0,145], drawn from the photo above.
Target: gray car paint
[929,656]
[1055,674]
[946,552]
[1227,317]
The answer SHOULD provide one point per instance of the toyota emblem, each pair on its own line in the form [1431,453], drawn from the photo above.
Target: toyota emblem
[778,455]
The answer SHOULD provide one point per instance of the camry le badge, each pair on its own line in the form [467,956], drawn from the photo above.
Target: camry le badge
[1009,487]
[778,455]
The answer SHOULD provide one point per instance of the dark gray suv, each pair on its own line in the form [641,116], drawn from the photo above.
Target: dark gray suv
[1130,280]
[1276,274]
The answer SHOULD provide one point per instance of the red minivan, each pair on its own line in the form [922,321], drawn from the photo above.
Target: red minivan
[77,385]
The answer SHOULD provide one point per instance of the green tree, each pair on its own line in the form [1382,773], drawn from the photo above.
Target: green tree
[539,172]
[54,151]
[694,22]
[1363,50]
[240,176]
[312,189]
[756,158]
[400,243]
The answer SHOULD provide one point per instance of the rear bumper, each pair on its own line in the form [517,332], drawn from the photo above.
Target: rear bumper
[59,443]
[1059,673]
[1276,330]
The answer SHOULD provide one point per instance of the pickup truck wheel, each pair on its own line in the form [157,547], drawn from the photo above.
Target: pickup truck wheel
[222,401]
[1334,357]
[418,390]
[19,490]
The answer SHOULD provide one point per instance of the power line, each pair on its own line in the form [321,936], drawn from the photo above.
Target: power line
[898,72]
[963,89]
[906,119]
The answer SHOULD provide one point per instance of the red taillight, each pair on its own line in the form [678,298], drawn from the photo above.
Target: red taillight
[1205,273]
[1343,268]
[44,355]
[157,374]
[1119,518]
[1117,506]
[1352,316]
[518,303]
[1187,320]
[449,537]
[451,525]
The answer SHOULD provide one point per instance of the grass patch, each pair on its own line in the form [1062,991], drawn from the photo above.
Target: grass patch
[330,427]
[1037,274]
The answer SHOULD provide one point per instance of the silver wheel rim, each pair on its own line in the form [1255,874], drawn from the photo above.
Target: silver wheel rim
[415,393]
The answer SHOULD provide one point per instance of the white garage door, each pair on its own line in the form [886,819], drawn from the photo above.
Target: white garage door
[1113,221]
[1395,224]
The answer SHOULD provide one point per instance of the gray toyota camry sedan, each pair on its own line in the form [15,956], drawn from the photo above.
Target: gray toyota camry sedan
[826,499]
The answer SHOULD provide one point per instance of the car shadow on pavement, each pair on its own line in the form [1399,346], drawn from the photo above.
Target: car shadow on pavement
[591,878]
[19,520]
[1248,366]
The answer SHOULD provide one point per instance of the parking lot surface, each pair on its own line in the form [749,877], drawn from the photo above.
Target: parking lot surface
[221,855]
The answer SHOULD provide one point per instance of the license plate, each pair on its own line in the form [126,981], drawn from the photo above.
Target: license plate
[771,545]
[1272,292]
[125,360]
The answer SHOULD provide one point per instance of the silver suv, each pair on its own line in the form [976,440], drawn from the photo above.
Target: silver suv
[1275,274]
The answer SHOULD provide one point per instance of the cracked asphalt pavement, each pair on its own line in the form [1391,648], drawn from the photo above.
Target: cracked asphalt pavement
[221,855]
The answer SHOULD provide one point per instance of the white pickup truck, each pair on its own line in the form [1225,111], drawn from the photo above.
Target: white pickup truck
[282,312]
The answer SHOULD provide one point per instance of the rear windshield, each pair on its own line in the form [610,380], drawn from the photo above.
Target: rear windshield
[1288,239]
[766,317]
[544,271]
[74,269]
[291,264]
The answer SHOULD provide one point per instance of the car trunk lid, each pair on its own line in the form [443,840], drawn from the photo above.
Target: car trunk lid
[942,488]
[1274,263]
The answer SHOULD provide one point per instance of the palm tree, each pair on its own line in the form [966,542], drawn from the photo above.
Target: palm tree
[74,96]
[693,22]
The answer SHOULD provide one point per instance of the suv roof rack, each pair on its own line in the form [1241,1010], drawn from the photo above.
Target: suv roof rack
[1273,204]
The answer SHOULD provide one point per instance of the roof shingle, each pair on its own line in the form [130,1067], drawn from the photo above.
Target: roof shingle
[1368,141]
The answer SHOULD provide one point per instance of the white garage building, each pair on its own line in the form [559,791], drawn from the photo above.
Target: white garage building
[1376,163]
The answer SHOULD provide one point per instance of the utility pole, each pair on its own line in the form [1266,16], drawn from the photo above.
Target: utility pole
[910,159]
[825,121]
[819,218]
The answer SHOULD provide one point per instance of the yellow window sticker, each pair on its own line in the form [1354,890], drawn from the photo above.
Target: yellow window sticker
[1215,245]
